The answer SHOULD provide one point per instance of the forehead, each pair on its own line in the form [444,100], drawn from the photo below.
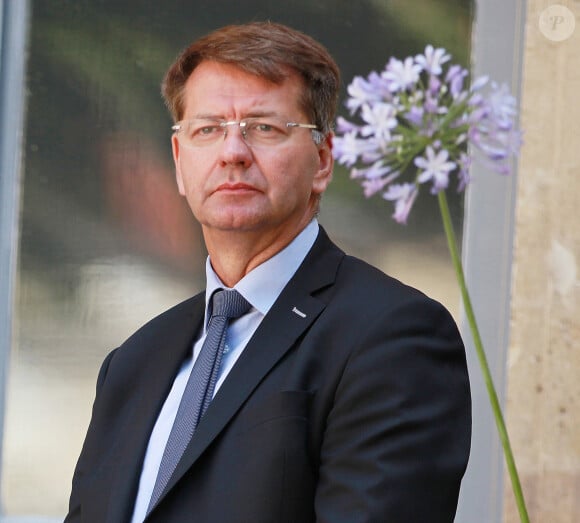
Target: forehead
[227,90]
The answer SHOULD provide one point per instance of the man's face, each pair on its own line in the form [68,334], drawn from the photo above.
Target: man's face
[232,186]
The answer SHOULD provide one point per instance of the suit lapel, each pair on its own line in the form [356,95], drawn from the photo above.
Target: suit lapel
[167,351]
[292,313]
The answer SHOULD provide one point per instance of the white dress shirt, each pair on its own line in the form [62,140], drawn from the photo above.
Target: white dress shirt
[261,287]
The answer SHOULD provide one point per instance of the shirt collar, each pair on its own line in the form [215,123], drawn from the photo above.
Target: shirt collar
[262,286]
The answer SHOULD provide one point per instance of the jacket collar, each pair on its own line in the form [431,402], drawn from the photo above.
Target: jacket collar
[290,316]
[165,349]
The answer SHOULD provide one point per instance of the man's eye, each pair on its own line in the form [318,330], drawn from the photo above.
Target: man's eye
[264,127]
[208,129]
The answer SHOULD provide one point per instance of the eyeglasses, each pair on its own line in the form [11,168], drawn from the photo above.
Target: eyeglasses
[257,132]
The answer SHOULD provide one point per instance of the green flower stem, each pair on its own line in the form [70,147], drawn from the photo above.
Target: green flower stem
[496,408]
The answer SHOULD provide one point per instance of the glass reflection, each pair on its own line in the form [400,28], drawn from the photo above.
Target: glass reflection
[106,242]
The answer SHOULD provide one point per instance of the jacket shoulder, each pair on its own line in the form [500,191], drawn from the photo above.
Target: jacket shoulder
[173,317]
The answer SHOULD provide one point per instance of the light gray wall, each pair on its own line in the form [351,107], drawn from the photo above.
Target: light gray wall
[487,256]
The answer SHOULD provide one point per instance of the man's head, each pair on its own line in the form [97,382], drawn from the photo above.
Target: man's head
[253,106]
[267,50]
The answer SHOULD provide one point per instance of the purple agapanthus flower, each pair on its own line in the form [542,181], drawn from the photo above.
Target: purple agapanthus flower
[502,106]
[419,113]
[344,126]
[464,163]
[455,77]
[349,147]
[404,196]
[432,60]
[415,115]
[374,182]
[401,75]
[366,91]
[379,119]
[435,167]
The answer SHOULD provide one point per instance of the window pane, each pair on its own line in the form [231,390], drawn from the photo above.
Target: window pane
[106,242]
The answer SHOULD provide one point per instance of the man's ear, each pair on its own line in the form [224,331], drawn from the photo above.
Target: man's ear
[325,165]
[178,174]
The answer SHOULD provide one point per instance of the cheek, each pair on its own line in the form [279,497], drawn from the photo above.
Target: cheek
[191,189]
[291,172]
[189,175]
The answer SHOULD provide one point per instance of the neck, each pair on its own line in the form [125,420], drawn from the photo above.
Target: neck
[234,254]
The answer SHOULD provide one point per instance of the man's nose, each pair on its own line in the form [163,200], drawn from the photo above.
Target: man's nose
[234,149]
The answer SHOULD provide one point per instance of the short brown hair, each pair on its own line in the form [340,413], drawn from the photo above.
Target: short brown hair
[268,50]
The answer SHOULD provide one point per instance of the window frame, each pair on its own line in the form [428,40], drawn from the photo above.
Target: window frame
[487,252]
[488,234]
[13,41]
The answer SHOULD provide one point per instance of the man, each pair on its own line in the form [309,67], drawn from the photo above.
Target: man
[341,395]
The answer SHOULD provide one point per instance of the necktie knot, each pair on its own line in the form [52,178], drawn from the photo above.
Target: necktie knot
[229,303]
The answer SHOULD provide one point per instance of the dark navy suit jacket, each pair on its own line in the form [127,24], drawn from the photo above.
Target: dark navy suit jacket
[356,410]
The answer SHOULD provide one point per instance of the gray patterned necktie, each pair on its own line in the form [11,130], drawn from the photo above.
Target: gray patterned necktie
[198,393]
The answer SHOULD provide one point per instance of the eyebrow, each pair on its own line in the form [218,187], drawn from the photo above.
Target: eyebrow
[252,114]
